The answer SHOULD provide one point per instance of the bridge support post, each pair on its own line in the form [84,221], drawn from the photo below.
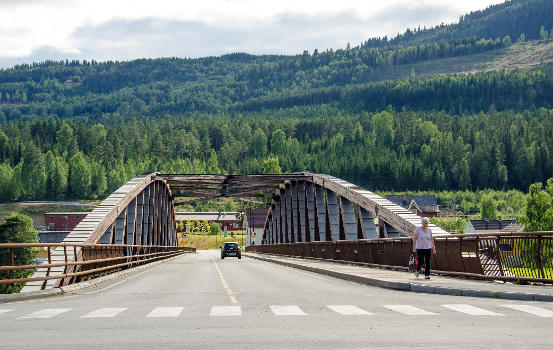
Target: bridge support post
[283,224]
[120,224]
[366,224]
[349,219]
[296,236]
[311,213]
[333,215]
[321,213]
[302,210]
[289,221]
[131,221]
[139,218]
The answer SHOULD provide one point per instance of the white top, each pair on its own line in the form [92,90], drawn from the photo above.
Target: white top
[423,238]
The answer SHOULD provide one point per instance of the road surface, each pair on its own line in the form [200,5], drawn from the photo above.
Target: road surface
[199,301]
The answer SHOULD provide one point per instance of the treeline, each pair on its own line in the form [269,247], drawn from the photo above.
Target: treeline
[171,85]
[461,93]
[511,18]
[389,150]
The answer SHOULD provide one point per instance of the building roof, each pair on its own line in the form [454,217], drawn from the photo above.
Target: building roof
[426,204]
[209,216]
[491,225]
[69,213]
[256,217]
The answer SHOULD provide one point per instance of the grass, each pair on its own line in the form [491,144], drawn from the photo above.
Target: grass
[530,272]
[204,241]
[527,55]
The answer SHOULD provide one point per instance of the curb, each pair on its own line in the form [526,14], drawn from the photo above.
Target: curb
[74,288]
[412,287]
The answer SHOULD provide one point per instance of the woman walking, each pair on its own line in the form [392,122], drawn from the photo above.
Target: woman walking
[424,246]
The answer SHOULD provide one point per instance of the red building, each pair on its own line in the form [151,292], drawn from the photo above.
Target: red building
[63,221]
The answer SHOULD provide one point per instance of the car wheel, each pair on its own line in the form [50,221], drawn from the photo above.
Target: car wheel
[240,257]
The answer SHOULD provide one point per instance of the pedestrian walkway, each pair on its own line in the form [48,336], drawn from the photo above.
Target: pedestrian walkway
[402,280]
[445,310]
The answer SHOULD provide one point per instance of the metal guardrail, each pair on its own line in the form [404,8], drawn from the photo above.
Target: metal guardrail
[97,260]
[515,257]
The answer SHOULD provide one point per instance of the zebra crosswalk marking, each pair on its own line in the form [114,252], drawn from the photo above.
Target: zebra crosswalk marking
[348,310]
[4,311]
[471,310]
[225,311]
[287,310]
[409,310]
[105,312]
[46,313]
[534,310]
[165,312]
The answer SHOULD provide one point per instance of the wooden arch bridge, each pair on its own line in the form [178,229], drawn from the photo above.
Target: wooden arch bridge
[302,207]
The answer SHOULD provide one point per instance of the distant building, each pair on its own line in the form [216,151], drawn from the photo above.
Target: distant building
[423,206]
[224,218]
[63,221]
[483,226]
[254,222]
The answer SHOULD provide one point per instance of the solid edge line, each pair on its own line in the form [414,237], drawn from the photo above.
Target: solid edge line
[411,287]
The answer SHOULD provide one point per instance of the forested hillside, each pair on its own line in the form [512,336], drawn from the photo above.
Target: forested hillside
[81,129]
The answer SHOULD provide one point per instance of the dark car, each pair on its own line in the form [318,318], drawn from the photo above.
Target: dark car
[231,249]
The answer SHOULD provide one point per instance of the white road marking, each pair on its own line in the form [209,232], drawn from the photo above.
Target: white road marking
[409,310]
[46,313]
[471,310]
[348,310]
[3,311]
[287,310]
[105,312]
[225,311]
[534,310]
[166,311]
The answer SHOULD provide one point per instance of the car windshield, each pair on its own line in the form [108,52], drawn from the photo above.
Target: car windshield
[231,245]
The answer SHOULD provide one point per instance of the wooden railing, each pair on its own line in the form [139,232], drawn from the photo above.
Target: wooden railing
[97,260]
[516,257]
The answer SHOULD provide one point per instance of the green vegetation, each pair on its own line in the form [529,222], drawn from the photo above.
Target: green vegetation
[538,214]
[17,229]
[208,241]
[82,129]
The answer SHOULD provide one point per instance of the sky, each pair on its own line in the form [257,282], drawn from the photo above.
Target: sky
[38,30]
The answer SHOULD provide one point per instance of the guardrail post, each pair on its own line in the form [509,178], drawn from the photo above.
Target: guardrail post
[540,263]
[10,274]
[498,256]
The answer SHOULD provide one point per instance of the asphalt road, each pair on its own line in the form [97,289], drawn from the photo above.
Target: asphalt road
[202,302]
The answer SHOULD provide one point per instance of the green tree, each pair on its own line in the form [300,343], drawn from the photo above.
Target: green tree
[259,143]
[488,207]
[213,164]
[271,166]
[278,142]
[543,33]
[17,229]
[63,138]
[79,177]
[214,228]
[33,172]
[538,210]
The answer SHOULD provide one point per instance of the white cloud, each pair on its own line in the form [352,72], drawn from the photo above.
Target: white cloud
[32,27]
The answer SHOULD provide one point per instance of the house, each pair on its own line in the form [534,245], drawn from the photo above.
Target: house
[254,222]
[63,221]
[423,206]
[223,218]
[483,226]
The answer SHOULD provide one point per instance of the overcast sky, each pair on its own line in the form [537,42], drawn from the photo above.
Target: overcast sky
[37,30]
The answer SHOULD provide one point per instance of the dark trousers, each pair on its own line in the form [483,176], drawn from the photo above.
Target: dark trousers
[423,257]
